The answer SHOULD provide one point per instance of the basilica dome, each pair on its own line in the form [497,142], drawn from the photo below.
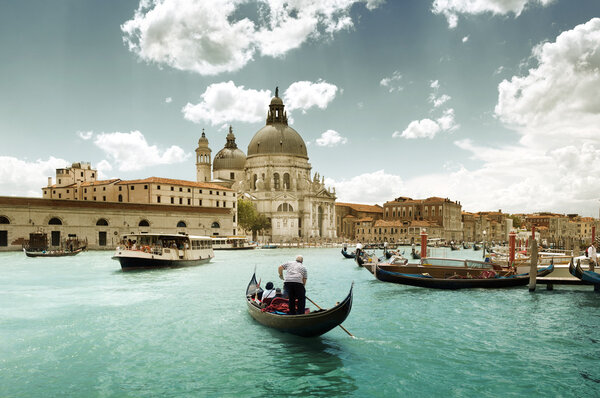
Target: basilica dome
[277,137]
[230,157]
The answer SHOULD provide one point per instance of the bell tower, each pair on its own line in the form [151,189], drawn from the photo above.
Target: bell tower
[276,113]
[203,161]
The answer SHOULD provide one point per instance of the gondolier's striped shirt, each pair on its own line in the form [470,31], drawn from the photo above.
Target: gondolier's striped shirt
[294,272]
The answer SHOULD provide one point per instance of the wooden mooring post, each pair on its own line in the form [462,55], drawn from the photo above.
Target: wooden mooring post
[533,266]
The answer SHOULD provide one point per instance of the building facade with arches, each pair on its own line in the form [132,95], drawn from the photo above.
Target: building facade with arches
[102,224]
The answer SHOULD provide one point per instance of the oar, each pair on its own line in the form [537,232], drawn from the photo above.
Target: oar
[343,328]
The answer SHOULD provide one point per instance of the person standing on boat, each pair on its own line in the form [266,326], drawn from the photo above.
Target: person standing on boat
[293,284]
[592,256]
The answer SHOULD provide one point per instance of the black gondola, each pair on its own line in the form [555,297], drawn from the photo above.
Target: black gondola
[415,255]
[425,280]
[348,255]
[53,253]
[306,325]
[586,276]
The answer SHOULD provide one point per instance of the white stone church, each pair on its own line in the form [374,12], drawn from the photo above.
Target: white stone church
[276,176]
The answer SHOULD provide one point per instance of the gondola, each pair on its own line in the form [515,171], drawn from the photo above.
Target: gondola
[476,246]
[586,276]
[415,255]
[348,255]
[424,279]
[53,253]
[306,325]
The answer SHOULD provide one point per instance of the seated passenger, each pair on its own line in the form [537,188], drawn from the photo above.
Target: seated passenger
[278,293]
[268,293]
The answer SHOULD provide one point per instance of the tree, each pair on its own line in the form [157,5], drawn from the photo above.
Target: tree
[250,219]
[516,220]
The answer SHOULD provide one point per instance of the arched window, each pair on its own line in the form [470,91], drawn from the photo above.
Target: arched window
[4,220]
[276,181]
[286,181]
[181,224]
[102,221]
[120,198]
[254,179]
[215,225]
[144,223]
[285,207]
[55,221]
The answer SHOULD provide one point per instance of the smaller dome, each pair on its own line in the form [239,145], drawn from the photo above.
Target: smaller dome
[229,159]
[276,101]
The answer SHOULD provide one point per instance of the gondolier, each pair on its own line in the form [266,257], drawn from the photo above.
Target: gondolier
[293,284]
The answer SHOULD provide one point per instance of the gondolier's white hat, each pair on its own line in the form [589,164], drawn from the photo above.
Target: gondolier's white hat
[299,258]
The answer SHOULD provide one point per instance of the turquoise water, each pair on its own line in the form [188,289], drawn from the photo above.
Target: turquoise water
[78,326]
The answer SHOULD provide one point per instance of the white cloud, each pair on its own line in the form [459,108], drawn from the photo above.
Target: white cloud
[439,101]
[374,187]
[434,84]
[331,138]
[209,37]
[393,82]
[25,178]
[425,128]
[168,100]
[225,103]
[131,151]
[452,8]
[465,39]
[85,135]
[304,95]
[558,98]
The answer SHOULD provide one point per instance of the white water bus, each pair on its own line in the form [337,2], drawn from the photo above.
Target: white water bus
[231,243]
[149,251]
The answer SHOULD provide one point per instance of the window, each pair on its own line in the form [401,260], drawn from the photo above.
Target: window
[144,223]
[172,188]
[232,176]
[120,188]
[93,175]
[254,179]
[180,201]
[102,221]
[158,199]
[145,186]
[94,198]
[284,207]
[104,198]
[67,191]
[55,221]
[276,181]
[82,173]
[199,191]
[217,203]
[104,188]
[200,202]
[217,192]
[286,181]
[120,198]
[189,190]
[94,189]
[4,220]
[210,192]
[60,195]
[180,189]
[215,225]
[53,191]
[189,201]
[172,200]
[132,187]
[59,180]
[158,187]
[85,190]
[181,224]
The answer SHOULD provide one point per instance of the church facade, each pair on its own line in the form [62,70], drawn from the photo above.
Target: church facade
[277,177]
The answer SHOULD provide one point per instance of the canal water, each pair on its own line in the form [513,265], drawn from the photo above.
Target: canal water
[78,326]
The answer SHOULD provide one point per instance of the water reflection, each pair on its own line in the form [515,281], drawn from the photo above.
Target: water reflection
[308,367]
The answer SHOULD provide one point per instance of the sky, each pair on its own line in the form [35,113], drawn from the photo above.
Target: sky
[491,103]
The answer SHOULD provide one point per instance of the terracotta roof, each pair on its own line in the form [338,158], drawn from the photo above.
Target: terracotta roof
[159,180]
[349,216]
[98,182]
[384,223]
[363,208]
[365,219]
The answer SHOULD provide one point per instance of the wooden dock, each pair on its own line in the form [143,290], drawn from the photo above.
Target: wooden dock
[550,282]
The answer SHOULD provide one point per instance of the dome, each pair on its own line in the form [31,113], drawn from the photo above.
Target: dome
[277,138]
[203,141]
[229,159]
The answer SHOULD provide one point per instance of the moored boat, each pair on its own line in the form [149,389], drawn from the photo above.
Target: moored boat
[311,324]
[346,254]
[231,243]
[586,276]
[150,251]
[450,279]
[52,253]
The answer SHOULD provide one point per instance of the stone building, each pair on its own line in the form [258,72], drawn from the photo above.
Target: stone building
[349,214]
[102,223]
[441,218]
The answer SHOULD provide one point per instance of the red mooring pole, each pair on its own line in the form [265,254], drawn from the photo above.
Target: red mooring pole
[511,245]
[423,244]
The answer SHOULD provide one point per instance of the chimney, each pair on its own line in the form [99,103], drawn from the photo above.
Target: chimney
[49,181]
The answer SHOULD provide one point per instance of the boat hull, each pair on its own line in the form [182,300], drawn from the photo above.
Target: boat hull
[421,280]
[138,263]
[51,254]
[305,325]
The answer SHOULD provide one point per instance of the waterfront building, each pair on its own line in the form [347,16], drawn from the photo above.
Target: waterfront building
[440,217]
[348,215]
[102,223]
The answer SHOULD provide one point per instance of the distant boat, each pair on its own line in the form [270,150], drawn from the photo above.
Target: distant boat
[476,246]
[151,251]
[466,245]
[586,276]
[231,243]
[53,253]
[269,246]
[306,325]
[348,255]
